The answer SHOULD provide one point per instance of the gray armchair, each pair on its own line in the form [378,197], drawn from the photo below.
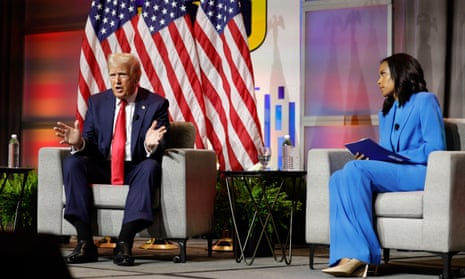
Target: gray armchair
[432,220]
[183,206]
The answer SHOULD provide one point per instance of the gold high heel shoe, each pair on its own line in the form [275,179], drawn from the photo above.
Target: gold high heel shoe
[362,271]
[347,268]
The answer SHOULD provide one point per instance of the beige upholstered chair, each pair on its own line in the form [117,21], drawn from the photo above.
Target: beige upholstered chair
[183,206]
[432,220]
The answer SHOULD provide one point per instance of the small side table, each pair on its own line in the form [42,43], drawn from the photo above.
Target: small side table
[7,171]
[263,209]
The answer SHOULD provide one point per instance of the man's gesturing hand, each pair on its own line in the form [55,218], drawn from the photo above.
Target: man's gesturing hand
[68,134]
[154,136]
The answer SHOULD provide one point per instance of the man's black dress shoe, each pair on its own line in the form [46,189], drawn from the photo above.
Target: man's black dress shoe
[122,254]
[84,252]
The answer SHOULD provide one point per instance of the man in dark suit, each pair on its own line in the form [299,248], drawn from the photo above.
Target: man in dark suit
[146,123]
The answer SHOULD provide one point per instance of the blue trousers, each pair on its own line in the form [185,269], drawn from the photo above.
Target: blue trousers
[351,190]
[79,172]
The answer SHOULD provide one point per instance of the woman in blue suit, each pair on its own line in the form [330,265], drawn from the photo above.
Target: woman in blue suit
[410,124]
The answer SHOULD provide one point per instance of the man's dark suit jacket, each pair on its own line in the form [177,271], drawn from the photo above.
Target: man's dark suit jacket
[98,125]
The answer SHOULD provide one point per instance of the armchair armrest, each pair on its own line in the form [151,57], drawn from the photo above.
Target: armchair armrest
[321,163]
[50,189]
[444,202]
[188,194]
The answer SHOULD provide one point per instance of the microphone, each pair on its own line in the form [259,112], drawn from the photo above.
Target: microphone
[396,126]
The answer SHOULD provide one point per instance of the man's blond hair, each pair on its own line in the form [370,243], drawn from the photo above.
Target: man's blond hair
[128,59]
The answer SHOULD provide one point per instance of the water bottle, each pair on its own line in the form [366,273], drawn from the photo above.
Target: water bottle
[13,152]
[287,153]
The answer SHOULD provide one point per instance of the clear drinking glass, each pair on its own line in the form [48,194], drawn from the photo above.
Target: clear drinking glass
[264,156]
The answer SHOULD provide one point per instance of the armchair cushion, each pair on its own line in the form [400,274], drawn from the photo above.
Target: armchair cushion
[399,204]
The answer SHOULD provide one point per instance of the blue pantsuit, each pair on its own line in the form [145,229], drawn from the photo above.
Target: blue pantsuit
[413,130]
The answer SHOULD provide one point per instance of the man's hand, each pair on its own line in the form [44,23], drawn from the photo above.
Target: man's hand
[68,134]
[154,136]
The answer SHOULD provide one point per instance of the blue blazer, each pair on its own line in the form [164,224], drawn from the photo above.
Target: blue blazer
[415,129]
[98,125]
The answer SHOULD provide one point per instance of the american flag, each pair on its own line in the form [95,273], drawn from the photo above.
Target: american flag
[228,83]
[166,47]
[208,79]
[110,27]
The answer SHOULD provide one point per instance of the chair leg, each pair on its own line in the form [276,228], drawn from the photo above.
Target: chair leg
[181,258]
[386,255]
[210,243]
[312,253]
[446,263]
[311,257]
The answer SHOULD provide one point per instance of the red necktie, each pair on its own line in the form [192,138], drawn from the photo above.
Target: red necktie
[118,146]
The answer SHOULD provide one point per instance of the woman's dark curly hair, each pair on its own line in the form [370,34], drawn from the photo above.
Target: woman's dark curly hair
[407,74]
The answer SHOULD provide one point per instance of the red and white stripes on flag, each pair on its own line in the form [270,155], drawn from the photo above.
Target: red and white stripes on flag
[205,73]
[166,48]
[228,83]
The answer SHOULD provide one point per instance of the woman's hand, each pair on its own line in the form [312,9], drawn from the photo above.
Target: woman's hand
[360,156]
